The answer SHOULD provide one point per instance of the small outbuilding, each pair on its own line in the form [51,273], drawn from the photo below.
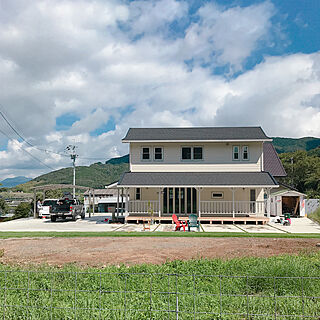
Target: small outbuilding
[286,199]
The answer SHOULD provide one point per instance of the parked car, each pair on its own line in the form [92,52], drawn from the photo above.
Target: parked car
[67,207]
[44,211]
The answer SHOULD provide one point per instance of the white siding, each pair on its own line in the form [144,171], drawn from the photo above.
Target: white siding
[217,157]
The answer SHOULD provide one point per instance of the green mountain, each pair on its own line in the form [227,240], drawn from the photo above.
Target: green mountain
[97,175]
[283,145]
[123,159]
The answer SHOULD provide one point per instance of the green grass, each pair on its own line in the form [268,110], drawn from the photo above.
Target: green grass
[42,292]
[315,216]
[9,234]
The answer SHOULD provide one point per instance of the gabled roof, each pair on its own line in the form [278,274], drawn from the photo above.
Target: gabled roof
[197,179]
[271,161]
[196,134]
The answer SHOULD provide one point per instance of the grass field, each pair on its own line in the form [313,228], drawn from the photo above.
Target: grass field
[198,289]
[9,234]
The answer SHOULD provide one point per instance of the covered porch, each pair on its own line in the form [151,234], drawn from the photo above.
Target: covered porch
[211,196]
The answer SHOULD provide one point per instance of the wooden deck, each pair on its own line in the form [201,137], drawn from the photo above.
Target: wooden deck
[222,220]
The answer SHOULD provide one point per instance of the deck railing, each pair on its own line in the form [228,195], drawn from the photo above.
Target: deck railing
[206,207]
[227,207]
[143,206]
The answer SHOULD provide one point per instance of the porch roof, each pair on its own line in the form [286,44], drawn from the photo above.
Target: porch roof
[197,179]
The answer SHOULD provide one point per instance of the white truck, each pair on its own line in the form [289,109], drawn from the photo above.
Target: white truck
[67,207]
[44,211]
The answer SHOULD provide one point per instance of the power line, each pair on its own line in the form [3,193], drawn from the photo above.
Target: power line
[23,139]
[40,149]
[32,156]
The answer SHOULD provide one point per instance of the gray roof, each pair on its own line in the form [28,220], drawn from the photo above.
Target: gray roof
[197,179]
[195,134]
[271,161]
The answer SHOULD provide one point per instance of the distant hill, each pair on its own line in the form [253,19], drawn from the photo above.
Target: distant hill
[123,159]
[12,182]
[290,145]
[97,175]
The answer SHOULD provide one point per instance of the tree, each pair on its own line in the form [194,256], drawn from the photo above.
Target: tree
[303,172]
[3,206]
[22,210]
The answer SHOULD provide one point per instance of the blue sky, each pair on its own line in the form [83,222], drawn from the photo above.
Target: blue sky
[85,71]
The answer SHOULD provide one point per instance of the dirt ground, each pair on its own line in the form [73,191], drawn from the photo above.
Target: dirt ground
[138,250]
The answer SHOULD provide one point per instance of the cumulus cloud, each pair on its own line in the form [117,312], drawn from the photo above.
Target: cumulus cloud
[141,63]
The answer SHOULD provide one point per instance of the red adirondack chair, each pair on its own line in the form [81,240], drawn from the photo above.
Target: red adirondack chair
[179,224]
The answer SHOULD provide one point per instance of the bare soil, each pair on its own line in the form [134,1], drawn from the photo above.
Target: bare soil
[114,251]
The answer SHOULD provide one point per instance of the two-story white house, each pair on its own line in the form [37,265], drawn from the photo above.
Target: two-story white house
[210,171]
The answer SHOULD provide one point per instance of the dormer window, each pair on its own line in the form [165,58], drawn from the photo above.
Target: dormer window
[245,153]
[145,153]
[235,153]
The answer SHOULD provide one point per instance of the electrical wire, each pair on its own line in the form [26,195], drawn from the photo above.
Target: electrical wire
[40,149]
[32,156]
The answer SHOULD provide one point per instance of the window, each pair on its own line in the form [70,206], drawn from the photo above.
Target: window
[235,155]
[245,153]
[197,153]
[216,195]
[192,153]
[138,194]
[186,153]
[158,153]
[145,153]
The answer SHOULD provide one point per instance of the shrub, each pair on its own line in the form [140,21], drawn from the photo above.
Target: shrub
[22,210]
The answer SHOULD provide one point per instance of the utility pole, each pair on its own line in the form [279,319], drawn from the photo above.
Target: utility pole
[71,149]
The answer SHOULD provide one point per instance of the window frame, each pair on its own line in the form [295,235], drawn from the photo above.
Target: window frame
[222,195]
[154,153]
[150,155]
[137,193]
[233,158]
[201,153]
[242,153]
[192,153]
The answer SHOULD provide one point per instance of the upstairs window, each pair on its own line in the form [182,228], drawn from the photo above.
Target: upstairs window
[245,153]
[186,153]
[191,153]
[235,153]
[158,153]
[138,194]
[197,153]
[145,153]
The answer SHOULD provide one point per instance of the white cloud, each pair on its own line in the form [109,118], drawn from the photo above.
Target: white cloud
[120,60]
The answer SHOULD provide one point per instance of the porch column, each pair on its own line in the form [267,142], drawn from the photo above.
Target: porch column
[199,193]
[122,201]
[127,200]
[233,211]
[268,203]
[118,195]
[160,190]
